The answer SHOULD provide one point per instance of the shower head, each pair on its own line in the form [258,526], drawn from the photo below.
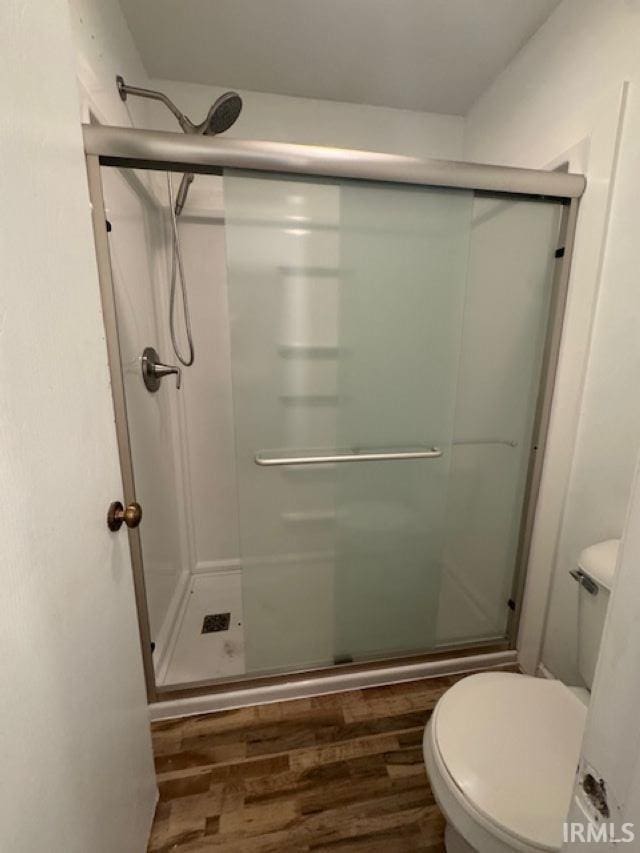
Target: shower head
[222,114]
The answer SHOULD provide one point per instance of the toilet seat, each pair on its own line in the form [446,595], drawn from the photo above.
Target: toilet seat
[501,750]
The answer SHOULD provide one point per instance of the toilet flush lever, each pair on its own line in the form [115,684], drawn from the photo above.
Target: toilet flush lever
[584,581]
[153,370]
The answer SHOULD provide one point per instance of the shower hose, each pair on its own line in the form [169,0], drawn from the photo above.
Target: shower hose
[177,272]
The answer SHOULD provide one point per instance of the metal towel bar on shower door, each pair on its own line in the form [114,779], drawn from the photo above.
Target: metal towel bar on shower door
[272,458]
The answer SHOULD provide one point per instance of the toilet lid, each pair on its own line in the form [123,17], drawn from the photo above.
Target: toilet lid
[511,744]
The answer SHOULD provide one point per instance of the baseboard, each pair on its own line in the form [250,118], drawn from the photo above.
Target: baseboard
[166,637]
[543,672]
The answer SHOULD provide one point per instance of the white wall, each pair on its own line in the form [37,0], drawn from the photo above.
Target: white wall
[77,772]
[553,95]
[104,48]
[286,119]
[611,745]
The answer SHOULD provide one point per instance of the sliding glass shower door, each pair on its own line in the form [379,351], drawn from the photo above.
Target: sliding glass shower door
[348,470]
[345,477]
[346,304]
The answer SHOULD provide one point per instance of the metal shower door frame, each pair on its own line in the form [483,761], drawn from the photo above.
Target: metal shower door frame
[129,148]
[107,297]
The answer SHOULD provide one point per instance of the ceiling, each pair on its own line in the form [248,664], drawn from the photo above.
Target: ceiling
[431,55]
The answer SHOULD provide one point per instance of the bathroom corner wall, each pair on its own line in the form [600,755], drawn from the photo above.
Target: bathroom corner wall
[562,91]
[77,766]
[306,121]
[105,48]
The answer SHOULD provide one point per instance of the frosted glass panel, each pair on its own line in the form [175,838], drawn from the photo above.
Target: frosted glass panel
[283,277]
[346,303]
[510,277]
[403,270]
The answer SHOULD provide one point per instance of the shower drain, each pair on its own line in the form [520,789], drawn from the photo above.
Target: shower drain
[215,622]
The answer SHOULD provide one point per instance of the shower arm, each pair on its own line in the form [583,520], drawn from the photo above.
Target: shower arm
[124,90]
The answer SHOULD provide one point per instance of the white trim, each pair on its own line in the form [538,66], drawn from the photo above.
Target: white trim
[543,672]
[320,685]
[596,155]
[168,634]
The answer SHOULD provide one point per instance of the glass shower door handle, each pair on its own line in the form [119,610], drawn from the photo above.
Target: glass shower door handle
[272,459]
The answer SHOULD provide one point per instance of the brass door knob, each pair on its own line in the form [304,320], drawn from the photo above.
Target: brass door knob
[131,516]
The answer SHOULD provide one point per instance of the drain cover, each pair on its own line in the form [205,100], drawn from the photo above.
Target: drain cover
[215,622]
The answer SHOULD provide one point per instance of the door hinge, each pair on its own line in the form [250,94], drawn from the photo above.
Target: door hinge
[559,253]
[108,225]
[511,604]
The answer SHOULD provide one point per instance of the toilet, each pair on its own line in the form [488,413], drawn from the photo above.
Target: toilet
[501,749]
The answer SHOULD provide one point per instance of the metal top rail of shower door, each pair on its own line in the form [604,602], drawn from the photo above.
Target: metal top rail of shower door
[267,458]
[154,149]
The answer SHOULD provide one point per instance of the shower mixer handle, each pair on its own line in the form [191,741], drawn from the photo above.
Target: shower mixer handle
[160,370]
[153,370]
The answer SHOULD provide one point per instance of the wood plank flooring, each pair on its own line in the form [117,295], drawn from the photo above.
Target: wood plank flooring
[333,773]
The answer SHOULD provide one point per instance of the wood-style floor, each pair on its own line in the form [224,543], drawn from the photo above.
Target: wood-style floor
[334,773]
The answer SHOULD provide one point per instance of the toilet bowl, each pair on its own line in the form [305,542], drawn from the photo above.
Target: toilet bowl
[502,749]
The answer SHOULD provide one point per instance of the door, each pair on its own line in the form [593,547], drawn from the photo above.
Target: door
[346,305]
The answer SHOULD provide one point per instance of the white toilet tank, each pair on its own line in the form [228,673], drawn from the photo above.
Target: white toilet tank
[596,570]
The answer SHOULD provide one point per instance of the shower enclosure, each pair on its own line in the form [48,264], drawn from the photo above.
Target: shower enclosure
[378,337]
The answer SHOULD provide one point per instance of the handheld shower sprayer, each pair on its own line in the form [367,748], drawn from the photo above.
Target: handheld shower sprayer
[222,114]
